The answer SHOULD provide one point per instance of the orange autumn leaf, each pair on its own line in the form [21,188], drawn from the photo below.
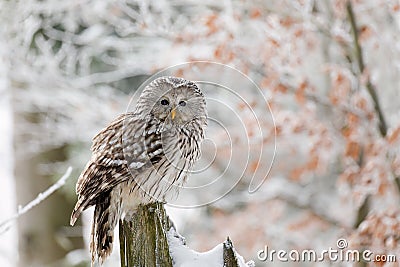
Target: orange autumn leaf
[380,263]
[300,97]
[339,78]
[352,150]
[265,82]
[309,220]
[278,130]
[274,42]
[394,136]
[382,189]
[296,174]
[254,166]
[346,131]
[222,53]
[211,25]
[362,104]
[299,33]
[352,119]
[365,33]
[218,52]
[313,164]
[340,87]
[230,56]
[255,13]
[334,99]
[250,133]
[298,128]
[281,88]
[179,73]
[298,225]
[287,22]
[242,106]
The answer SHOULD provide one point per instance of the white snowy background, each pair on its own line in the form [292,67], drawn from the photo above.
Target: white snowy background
[67,68]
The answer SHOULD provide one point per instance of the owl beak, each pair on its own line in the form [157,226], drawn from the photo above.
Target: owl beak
[173,113]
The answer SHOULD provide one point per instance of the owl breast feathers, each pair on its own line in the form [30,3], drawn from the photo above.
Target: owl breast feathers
[141,157]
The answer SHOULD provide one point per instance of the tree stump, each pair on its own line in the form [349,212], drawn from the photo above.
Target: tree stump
[143,240]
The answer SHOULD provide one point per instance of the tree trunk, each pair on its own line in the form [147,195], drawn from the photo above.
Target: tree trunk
[42,239]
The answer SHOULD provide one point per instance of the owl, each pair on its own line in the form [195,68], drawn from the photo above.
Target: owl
[142,157]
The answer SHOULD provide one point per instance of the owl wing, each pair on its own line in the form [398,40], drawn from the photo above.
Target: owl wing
[128,146]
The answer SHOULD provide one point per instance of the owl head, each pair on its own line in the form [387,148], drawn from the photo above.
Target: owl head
[172,100]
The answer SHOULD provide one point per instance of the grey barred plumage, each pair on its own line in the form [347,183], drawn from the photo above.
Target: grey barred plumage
[141,157]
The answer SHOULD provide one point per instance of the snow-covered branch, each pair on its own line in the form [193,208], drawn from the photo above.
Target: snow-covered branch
[5,225]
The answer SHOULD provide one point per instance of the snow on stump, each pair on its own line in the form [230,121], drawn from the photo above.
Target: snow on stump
[149,238]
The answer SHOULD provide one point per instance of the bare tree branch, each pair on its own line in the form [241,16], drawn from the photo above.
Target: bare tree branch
[360,61]
[364,208]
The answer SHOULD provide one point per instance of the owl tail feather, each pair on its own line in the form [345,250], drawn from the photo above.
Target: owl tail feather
[79,207]
[102,236]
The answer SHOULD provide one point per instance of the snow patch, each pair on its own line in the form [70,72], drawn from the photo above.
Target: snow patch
[183,256]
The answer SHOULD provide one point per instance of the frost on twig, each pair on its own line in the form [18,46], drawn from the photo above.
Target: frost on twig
[5,225]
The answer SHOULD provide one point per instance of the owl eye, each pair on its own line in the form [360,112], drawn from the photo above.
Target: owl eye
[182,103]
[164,102]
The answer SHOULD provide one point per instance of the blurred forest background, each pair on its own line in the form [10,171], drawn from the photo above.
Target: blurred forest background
[329,69]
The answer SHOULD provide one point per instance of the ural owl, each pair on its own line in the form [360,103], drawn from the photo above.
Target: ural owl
[141,157]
